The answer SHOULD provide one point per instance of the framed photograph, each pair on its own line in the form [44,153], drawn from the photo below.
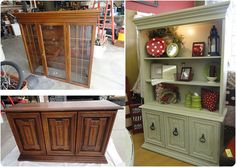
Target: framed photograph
[156,71]
[186,73]
[153,3]
[198,49]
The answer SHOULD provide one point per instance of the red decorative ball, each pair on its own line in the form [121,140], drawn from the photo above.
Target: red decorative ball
[156,47]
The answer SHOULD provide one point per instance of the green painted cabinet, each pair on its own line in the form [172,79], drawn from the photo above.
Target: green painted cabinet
[154,131]
[204,139]
[176,132]
[188,134]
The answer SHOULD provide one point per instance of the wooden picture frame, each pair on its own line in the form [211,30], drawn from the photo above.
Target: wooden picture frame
[186,74]
[152,3]
[198,49]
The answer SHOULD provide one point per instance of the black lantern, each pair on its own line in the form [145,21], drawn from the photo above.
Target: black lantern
[213,42]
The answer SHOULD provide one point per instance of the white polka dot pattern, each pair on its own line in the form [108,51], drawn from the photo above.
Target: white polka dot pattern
[156,47]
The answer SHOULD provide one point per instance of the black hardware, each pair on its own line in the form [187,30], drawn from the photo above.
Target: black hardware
[152,127]
[202,139]
[175,132]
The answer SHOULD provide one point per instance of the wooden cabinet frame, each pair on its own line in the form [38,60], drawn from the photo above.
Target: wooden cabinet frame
[66,19]
[55,131]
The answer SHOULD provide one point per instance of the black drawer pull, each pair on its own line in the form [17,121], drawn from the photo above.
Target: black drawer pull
[202,139]
[175,132]
[152,127]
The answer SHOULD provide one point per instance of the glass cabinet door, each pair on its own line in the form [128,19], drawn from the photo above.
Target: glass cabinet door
[34,54]
[80,49]
[53,39]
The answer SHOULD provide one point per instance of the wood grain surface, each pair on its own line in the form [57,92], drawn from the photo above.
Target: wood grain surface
[96,105]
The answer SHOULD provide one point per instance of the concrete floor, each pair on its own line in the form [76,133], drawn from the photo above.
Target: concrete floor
[120,155]
[108,71]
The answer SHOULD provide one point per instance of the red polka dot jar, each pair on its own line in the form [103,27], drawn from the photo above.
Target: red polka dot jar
[156,47]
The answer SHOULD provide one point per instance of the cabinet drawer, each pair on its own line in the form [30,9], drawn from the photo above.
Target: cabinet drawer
[154,127]
[204,139]
[28,133]
[59,133]
[93,132]
[176,132]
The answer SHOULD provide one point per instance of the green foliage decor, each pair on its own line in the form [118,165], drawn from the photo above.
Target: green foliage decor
[170,32]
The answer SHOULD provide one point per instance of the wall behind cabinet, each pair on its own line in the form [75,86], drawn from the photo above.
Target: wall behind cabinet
[132,68]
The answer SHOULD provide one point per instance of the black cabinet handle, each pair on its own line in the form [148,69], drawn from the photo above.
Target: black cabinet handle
[152,127]
[202,139]
[175,132]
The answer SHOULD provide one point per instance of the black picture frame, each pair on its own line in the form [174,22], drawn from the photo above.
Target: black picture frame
[198,49]
[153,3]
[186,74]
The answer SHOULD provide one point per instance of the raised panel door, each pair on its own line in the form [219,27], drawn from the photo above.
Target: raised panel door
[93,132]
[59,133]
[176,132]
[27,130]
[31,41]
[204,139]
[154,129]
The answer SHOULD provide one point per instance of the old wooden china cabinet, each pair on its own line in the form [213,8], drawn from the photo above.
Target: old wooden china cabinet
[60,45]
[63,131]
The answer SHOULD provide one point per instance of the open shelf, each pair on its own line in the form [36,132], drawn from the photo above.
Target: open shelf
[182,58]
[180,109]
[194,83]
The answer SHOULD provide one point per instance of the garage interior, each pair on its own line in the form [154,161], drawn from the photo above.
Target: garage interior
[108,59]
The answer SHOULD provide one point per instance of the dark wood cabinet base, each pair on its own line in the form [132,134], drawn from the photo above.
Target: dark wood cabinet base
[76,132]
[64,158]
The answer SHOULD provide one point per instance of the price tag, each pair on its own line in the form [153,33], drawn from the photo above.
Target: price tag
[228,153]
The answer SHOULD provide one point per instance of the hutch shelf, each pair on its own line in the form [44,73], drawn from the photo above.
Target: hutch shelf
[191,135]
[60,44]
[63,131]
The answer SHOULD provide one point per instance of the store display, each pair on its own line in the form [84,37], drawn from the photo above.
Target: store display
[190,134]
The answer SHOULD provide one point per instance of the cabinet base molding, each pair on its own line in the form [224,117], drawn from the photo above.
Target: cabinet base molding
[64,158]
[177,155]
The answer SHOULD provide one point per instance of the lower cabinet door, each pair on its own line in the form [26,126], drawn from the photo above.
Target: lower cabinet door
[204,139]
[153,127]
[176,132]
[28,133]
[59,132]
[93,132]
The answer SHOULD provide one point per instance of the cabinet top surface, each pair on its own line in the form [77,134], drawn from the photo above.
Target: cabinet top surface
[59,14]
[96,105]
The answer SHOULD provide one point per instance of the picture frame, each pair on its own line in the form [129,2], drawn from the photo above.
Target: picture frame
[198,49]
[186,74]
[156,71]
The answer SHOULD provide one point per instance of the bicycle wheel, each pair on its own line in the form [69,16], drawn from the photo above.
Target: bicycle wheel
[11,75]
